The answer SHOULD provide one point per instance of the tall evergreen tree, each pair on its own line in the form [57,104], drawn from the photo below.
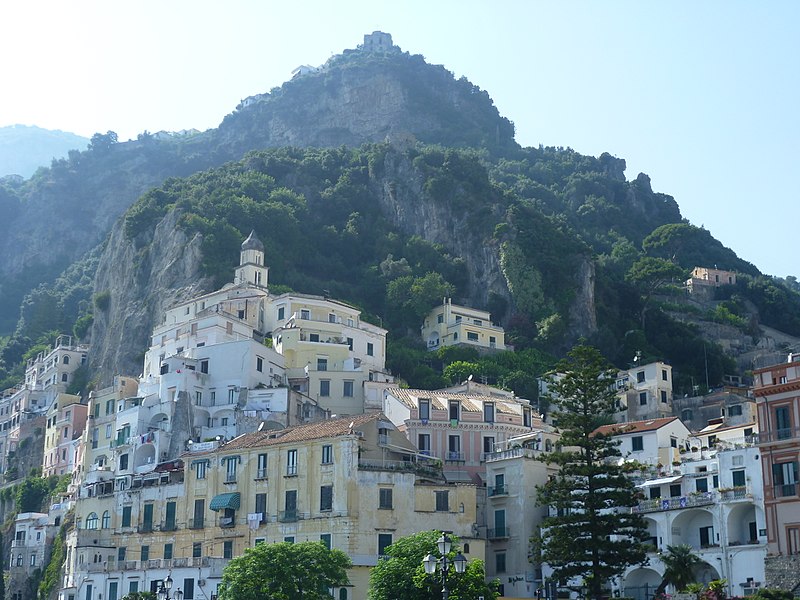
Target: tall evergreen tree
[592,534]
[2,571]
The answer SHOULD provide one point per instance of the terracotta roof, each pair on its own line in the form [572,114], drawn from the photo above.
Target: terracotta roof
[635,426]
[439,400]
[301,433]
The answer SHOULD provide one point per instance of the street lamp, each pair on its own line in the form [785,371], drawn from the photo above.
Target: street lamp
[431,562]
[165,587]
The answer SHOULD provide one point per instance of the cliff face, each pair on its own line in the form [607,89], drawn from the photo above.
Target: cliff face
[144,277]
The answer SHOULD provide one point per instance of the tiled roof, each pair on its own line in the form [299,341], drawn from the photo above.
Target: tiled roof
[439,400]
[635,426]
[301,433]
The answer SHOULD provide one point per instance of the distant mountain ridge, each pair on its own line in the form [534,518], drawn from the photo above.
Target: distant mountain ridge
[25,148]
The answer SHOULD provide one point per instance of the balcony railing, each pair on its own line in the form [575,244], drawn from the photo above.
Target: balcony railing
[498,532]
[737,493]
[197,523]
[498,490]
[261,473]
[226,522]
[778,435]
[452,455]
[287,516]
[786,490]
[658,504]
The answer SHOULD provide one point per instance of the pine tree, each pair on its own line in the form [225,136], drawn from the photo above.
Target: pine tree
[592,533]
[2,573]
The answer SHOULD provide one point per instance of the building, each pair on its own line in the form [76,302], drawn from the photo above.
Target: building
[645,392]
[514,469]
[451,324]
[458,429]
[30,550]
[66,419]
[378,41]
[732,406]
[777,393]
[704,279]
[711,499]
[353,483]
[654,442]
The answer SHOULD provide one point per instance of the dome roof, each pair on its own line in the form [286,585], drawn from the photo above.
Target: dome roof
[252,243]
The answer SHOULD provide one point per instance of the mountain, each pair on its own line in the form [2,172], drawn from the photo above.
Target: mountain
[387,183]
[23,148]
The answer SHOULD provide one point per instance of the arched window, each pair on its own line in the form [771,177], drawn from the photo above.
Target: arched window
[65,360]
[466,548]
[91,521]
[686,414]
[342,593]
[106,520]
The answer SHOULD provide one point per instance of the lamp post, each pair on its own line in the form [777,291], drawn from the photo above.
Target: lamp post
[444,563]
[165,587]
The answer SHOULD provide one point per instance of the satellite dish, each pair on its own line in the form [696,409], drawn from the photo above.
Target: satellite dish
[470,377]
[261,426]
[352,424]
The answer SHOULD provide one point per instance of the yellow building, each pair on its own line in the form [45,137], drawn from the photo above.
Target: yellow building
[353,483]
[451,324]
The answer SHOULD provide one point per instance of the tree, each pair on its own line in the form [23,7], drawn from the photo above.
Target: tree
[402,576]
[102,142]
[2,574]
[679,562]
[284,571]
[650,275]
[593,535]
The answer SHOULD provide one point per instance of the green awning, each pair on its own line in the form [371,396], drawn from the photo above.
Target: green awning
[223,501]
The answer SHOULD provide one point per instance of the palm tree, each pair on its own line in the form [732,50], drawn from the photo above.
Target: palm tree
[679,563]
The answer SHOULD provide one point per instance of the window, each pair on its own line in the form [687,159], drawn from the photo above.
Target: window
[663,397]
[331,318]
[675,490]
[126,516]
[33,559]
[347,389]
[472,336]
[424,410]
[91,521]
[313,337]
[701,484]
[686,414]
[488,412]
[326,498]
[322,363]
[642,398]
[188,589]
[290,505]
[384,541]
[169,518]
[167,551]
[121,553]
[204,366]
[440,318]
[198,398]
[637,443]
[454,447]
[424,442]
[147,517]
[224,421]
[259,364]
[230,469]
[640,377]
[261,507]
[442,501]
[738,478]
[199,514]
[261,472]
[350,343]
[370,349]
[785,478]
[197,549]
[655,492]
[735,410]
[500,562]
[673,442]
[325,388]
[145,553]
[385,498]
[327,454]
[213,397]
[231,393]
[455,405]
[200,469]
[106,523]
[19,560]
[488,444]
[291,462]
[281,313]
[325,538]
[305,314]
[526,417]
[227,549]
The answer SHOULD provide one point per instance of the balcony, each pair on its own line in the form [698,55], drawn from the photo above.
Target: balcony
[226,522]
[735,494]
[497,490]
[498,533]
[261,473]
[145,528]
[455,456]
[511,453]
[786,490]
[197,523]
[288,516]
[779,435]
[659,504]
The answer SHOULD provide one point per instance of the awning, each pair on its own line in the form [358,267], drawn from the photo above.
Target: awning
[224,501]
[662,481]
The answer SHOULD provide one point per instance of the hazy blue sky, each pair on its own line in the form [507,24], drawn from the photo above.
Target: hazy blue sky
[702,96]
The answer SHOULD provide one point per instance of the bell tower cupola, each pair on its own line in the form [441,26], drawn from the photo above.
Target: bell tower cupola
[251,267]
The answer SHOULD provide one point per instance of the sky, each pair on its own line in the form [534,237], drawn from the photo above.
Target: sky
[703,96]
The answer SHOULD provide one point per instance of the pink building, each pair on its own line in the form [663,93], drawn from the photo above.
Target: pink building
[66,420]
